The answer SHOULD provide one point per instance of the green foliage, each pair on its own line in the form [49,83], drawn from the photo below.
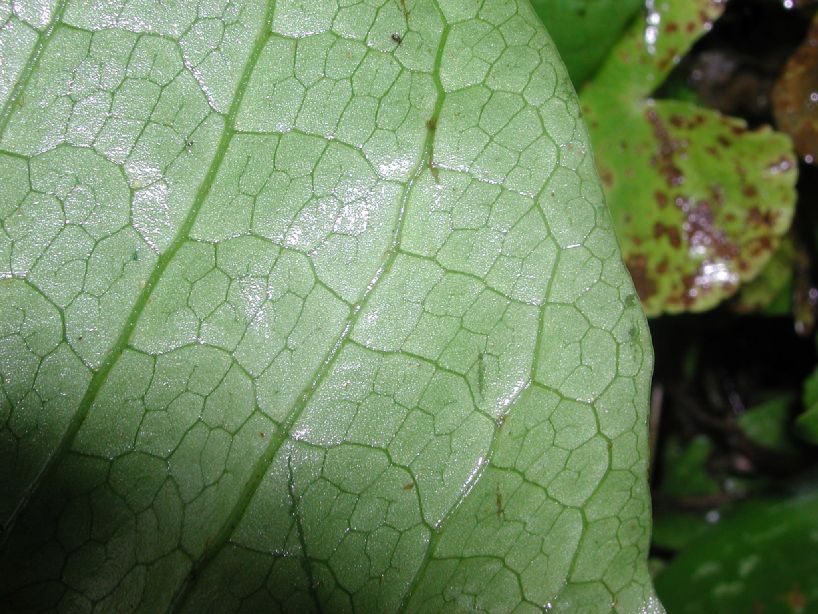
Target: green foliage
[766,424]
[760,558]
[311,308]
[772,289]
[686,469]
[585,30]
[698,200]
[807,423]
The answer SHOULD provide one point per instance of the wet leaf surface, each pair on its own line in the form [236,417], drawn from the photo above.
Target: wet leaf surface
[699,200]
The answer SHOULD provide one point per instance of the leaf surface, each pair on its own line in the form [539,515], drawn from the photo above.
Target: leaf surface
[792,97]
[585,30]
[699,200]
[755,559]
[311,306]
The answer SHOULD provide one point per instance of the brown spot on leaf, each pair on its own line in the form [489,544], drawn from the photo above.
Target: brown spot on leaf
[667,148]
[759,246]
[717,194]
[638,266]
[764,219]
[672,233]
[607,177]
[661,199]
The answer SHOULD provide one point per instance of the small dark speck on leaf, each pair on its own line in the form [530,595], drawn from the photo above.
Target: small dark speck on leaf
[397,38]
[498,500]
[431,124]
[409,486]
[262,434]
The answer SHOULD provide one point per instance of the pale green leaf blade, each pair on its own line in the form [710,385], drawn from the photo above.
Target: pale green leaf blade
[313,307]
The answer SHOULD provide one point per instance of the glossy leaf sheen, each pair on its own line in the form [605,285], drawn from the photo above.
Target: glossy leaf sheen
[311,307]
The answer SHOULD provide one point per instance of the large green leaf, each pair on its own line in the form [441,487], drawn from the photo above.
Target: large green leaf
[311,306]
